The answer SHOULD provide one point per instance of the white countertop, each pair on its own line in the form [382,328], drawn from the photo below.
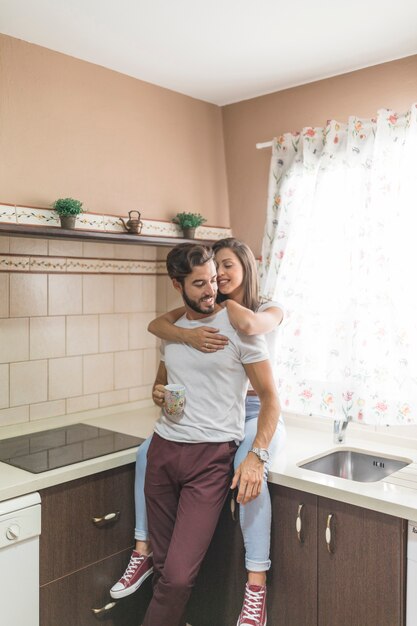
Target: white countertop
[307,439]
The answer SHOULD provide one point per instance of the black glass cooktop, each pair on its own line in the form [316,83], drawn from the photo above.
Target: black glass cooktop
[49,449]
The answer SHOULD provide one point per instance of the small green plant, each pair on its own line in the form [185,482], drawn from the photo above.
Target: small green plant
[189,220]
[68,206]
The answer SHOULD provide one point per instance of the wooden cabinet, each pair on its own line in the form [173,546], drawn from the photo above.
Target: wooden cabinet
[362,571]
[292,580]
[86,542]
[351,575]
[70,601]
[346,566]
[338,565]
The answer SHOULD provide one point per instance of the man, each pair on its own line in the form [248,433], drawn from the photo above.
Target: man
[190,458]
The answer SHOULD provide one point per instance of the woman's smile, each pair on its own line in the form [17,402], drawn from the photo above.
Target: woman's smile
[229,272]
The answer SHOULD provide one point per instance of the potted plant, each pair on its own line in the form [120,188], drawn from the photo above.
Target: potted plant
[68,209]
[188,222]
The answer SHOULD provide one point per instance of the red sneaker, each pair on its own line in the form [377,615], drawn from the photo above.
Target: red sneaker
[254,606]
[138,570]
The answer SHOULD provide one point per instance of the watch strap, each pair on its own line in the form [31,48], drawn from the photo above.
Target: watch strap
[261,452]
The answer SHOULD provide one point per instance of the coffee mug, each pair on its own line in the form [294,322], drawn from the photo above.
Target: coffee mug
[174,401]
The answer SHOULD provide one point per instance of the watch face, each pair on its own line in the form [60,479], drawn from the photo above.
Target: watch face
[261,453]
[264,455]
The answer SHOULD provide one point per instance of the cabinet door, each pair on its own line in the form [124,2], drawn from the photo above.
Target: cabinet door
[69,601]
[361,578]
[217,597]
[72,534]
[292,581]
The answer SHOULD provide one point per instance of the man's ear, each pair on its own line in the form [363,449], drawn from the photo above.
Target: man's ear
[177,285]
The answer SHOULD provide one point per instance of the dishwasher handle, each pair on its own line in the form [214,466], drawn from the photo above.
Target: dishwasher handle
[19,525]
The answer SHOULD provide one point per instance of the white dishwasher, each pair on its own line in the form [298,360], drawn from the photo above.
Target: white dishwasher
[20,527]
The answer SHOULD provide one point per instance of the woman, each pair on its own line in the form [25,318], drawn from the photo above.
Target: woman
[238,291]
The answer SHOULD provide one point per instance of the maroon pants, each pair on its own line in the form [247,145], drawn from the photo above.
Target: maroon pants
[186,485]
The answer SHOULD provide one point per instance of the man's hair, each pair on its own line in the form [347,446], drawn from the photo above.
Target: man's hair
[182,259]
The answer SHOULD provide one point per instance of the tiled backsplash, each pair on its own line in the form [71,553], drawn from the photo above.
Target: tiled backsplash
[73,332]
[74,340]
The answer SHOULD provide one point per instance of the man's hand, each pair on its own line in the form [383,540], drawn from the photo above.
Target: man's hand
[158,395]
[249,476]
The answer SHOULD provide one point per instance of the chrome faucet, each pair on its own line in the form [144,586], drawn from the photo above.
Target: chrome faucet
[339,429]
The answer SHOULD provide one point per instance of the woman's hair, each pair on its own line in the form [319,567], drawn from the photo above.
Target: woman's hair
[250,274]
[182,259]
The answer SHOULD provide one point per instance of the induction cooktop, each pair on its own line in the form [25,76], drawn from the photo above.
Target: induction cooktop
[49,449]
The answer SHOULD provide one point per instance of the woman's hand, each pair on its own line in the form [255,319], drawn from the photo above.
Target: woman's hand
[158,395]
[249,476]
[206,339]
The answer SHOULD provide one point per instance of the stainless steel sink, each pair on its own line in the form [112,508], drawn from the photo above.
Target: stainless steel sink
[353,465]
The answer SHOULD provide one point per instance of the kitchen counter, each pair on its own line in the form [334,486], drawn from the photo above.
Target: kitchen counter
[134,419]
[307,439]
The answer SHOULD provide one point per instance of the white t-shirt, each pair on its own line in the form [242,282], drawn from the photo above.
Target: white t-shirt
[215,384]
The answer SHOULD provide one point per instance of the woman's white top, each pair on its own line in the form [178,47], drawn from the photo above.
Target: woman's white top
[271,338]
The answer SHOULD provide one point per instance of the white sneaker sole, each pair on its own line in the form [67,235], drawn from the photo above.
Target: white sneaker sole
[116,595]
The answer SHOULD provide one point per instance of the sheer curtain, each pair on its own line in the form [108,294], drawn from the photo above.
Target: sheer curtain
[340,253]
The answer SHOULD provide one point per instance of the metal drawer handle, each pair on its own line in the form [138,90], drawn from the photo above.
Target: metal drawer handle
[104,609]
[299,523]
[106,519]
[329,533]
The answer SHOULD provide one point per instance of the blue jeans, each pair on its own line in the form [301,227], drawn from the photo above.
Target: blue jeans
[255,517]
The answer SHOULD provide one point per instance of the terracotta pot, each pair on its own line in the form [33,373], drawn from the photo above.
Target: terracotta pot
[189,233]
[68,221]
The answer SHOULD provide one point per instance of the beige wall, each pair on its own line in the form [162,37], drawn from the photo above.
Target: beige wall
[362,93]
[117,143]
[71,128]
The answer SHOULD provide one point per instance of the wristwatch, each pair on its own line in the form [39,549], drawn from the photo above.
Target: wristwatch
[261,453]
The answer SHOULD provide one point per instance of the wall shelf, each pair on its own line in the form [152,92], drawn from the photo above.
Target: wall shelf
[53,232]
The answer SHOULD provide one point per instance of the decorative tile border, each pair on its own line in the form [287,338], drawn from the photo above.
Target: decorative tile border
[108,223]
[14,263]
[109,266]
[47,264]
[7,214]
[88,221]
[113,224]
[80,265]
[41,217]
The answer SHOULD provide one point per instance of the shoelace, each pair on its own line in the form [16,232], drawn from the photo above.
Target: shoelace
[134,563]
[252,605]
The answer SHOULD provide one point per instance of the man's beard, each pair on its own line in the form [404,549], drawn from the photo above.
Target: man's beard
[194,305]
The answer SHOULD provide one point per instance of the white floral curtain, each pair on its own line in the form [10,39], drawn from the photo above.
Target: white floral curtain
[340,252]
